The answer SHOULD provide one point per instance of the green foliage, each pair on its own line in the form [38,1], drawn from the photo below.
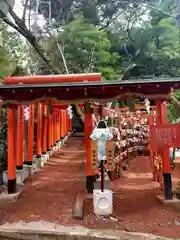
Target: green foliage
[173,110]
[86,49]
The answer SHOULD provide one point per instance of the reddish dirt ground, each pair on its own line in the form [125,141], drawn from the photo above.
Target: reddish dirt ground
[50,195]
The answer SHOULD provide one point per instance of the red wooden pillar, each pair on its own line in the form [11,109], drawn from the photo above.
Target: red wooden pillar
[120,139]
[30,144]
[61,123]
[49,143]
[20,138]
[69,124]
[161,118]
[56,113]
[39,131]
[88,127]
[11,150]
[55,128]
[52,129]
[58,125]
[65,122]
[44,128]
[150,148]
[127,140]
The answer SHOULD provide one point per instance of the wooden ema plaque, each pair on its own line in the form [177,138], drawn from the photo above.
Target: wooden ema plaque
[94,155]
[166,135]
[110,154]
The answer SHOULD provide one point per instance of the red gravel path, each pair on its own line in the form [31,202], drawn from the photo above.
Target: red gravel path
[51,193]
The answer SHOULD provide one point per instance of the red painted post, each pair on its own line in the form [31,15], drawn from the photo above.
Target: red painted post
[88,127]
[162,118]
[20,138]
[61,123]
[39,131]
[151,149]
[30,144]
[45,126]
[49,133]
[11,150]
[120,139]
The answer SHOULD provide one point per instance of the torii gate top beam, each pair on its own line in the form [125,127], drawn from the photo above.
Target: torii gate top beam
[78,92]
[45,79]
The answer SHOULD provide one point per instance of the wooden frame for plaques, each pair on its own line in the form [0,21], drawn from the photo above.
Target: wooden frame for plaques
[110,154]
[94,155]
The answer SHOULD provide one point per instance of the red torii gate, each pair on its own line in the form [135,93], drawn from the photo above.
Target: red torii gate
[55,127]
[83,91]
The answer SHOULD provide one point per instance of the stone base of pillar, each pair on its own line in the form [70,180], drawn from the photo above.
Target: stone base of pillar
[38,162]
[44,158]
[63,140]
[21,176]
[56,147]
[70,133]
[6,199]
[66,137]
[53,149]
[59,144]
[29,170]
[48,155]
[34,166]
[51,152]
[174,202]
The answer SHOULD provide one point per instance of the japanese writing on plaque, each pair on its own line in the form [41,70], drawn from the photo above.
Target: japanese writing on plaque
[110,154]
[164,136]
[94,155]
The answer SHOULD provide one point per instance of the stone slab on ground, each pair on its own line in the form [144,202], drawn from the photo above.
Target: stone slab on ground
[78,208]
[174,202]
[42,230]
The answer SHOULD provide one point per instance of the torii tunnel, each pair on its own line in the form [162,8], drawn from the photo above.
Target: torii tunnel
[82,90]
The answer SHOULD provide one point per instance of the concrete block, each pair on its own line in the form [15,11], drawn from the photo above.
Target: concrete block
[63,140]
[43,160]
[173,202]
[51,152]
[38,163]
[21,175]
[25,173]
[6,198]
[29,170]
[56,147]
[66,137]
[34,166]
[48,155]
[59,144]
